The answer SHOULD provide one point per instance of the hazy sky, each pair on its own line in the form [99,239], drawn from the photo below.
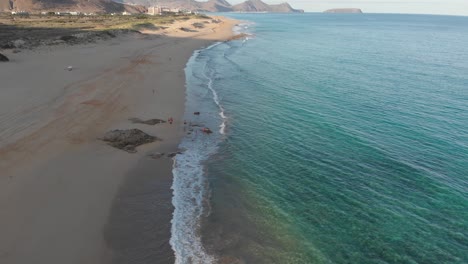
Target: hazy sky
[450,7]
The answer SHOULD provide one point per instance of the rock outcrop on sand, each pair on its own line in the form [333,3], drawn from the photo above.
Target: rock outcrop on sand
[3,58]
[128,139]
[150,122]
[158,155]
[344,11]
[173,154]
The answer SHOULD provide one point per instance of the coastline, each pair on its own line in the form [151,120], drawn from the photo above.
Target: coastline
[66,196]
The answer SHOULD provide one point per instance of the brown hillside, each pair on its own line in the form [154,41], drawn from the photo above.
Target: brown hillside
[96,6]
[252,6]
[215,6]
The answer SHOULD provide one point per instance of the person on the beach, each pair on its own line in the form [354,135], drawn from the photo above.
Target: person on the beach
[170,120]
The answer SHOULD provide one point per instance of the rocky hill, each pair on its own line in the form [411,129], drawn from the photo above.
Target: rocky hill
[217,5]
[95,6]
[251,6]
[284,8]
[139,6]
[344,10]
[259,6]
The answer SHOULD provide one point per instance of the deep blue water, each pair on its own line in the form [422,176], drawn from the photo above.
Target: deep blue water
[346,141]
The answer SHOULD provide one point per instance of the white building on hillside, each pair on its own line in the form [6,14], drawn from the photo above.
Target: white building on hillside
[154,10]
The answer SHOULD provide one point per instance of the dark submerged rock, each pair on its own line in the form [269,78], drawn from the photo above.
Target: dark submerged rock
[128,139]
[206,130]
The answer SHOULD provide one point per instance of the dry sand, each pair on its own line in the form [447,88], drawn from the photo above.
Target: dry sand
[67,197]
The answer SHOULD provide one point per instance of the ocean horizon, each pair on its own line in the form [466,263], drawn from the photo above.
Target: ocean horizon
[337,139]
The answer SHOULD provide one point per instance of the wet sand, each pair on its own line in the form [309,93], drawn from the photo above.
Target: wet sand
[66,196]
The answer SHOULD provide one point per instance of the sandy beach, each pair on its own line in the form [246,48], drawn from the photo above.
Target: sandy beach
[65,195]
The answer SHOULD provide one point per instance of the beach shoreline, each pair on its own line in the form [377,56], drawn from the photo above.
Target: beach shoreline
[65,195]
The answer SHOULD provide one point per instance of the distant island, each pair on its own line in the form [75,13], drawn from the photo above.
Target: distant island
[344,11]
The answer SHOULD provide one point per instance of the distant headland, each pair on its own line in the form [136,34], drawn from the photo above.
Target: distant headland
[344,10]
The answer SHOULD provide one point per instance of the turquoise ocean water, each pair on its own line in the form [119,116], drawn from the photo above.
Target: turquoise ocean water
[337,139]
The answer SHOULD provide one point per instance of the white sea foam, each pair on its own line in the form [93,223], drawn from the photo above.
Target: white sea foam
[242,27]
[189,183]
[188,194]
[237,29]
[189,187]
[222,128]
[216,100]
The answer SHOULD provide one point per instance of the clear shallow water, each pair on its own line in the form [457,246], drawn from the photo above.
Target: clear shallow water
[346,141]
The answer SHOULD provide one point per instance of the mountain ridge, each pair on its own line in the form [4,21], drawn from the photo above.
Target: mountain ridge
[95,6]
[140,6]
[218,5]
